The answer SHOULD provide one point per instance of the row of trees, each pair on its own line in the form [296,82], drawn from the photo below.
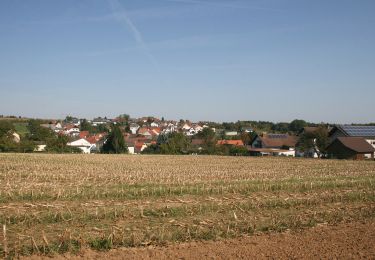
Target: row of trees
[178,143]
[263,126]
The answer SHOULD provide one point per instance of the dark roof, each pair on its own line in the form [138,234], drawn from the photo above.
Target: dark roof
[356,144]
[308,129]
[355,130]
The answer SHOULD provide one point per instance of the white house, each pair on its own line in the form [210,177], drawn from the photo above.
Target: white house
[82,144]
[154,124]
[99,121]
[40,148]
[74,131]
[134,128]
[231,133]
[185,127]
[197,128]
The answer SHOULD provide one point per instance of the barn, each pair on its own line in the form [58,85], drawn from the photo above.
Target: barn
[355,148]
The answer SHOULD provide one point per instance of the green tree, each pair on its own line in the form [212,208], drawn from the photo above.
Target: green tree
[280,127]
[68,119]
[59,144]
[115,142]
[209,140]
[5,127]
[296,125]
[317,140]
[322,140]
[177,143]
[86,126]
[37,132]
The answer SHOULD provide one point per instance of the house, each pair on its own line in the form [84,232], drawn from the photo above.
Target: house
[82,144]
[356,148]
[16,137]
[273,144]
[230,142]
[139,146]
[40,148]
[96,142]
[231,133]
[366,132]
[56,127]
[134,128]
[154,124]
[145,132]
[71,130]
[247,129]
[186,127]
[99,121]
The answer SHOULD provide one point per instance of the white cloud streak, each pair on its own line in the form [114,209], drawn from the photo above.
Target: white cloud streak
[221,4]
[121,15]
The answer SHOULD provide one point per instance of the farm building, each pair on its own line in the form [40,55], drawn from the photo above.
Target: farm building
[356,148]
[273,144]
[367,132]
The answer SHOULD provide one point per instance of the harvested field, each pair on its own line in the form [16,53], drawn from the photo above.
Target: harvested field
[53,204]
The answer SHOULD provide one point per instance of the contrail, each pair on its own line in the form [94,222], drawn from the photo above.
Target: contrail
[221,4]
[121,15]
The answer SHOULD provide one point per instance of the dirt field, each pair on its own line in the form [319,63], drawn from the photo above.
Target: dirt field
[344,241]
[63,204]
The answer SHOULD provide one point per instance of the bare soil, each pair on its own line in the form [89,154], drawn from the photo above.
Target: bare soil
[343,241]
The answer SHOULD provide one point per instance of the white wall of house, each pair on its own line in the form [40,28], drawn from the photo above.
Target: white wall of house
[40,148]
[134,129]
[372,142]
[82,144]
[131,149]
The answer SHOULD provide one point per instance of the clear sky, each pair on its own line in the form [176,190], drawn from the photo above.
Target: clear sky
[219,60]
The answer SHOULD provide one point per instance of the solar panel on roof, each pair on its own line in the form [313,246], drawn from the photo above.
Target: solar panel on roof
[360,131]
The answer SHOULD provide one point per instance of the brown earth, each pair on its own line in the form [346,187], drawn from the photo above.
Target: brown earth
[343,241]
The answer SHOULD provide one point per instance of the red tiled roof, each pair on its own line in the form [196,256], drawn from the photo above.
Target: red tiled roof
[91,139]
[230,142]
[84,134]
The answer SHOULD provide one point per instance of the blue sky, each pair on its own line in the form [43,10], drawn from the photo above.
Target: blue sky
[219,60]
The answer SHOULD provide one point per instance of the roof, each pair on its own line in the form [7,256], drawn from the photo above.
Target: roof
[197,141]
[278,140]
[267,150]
[83,134]
[308,129]
[230,142]
[80,142]
[356,144]
[355,130]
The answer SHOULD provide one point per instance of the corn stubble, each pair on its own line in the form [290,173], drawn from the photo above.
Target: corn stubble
[53,204]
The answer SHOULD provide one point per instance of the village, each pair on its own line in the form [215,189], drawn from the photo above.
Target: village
[144,134]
